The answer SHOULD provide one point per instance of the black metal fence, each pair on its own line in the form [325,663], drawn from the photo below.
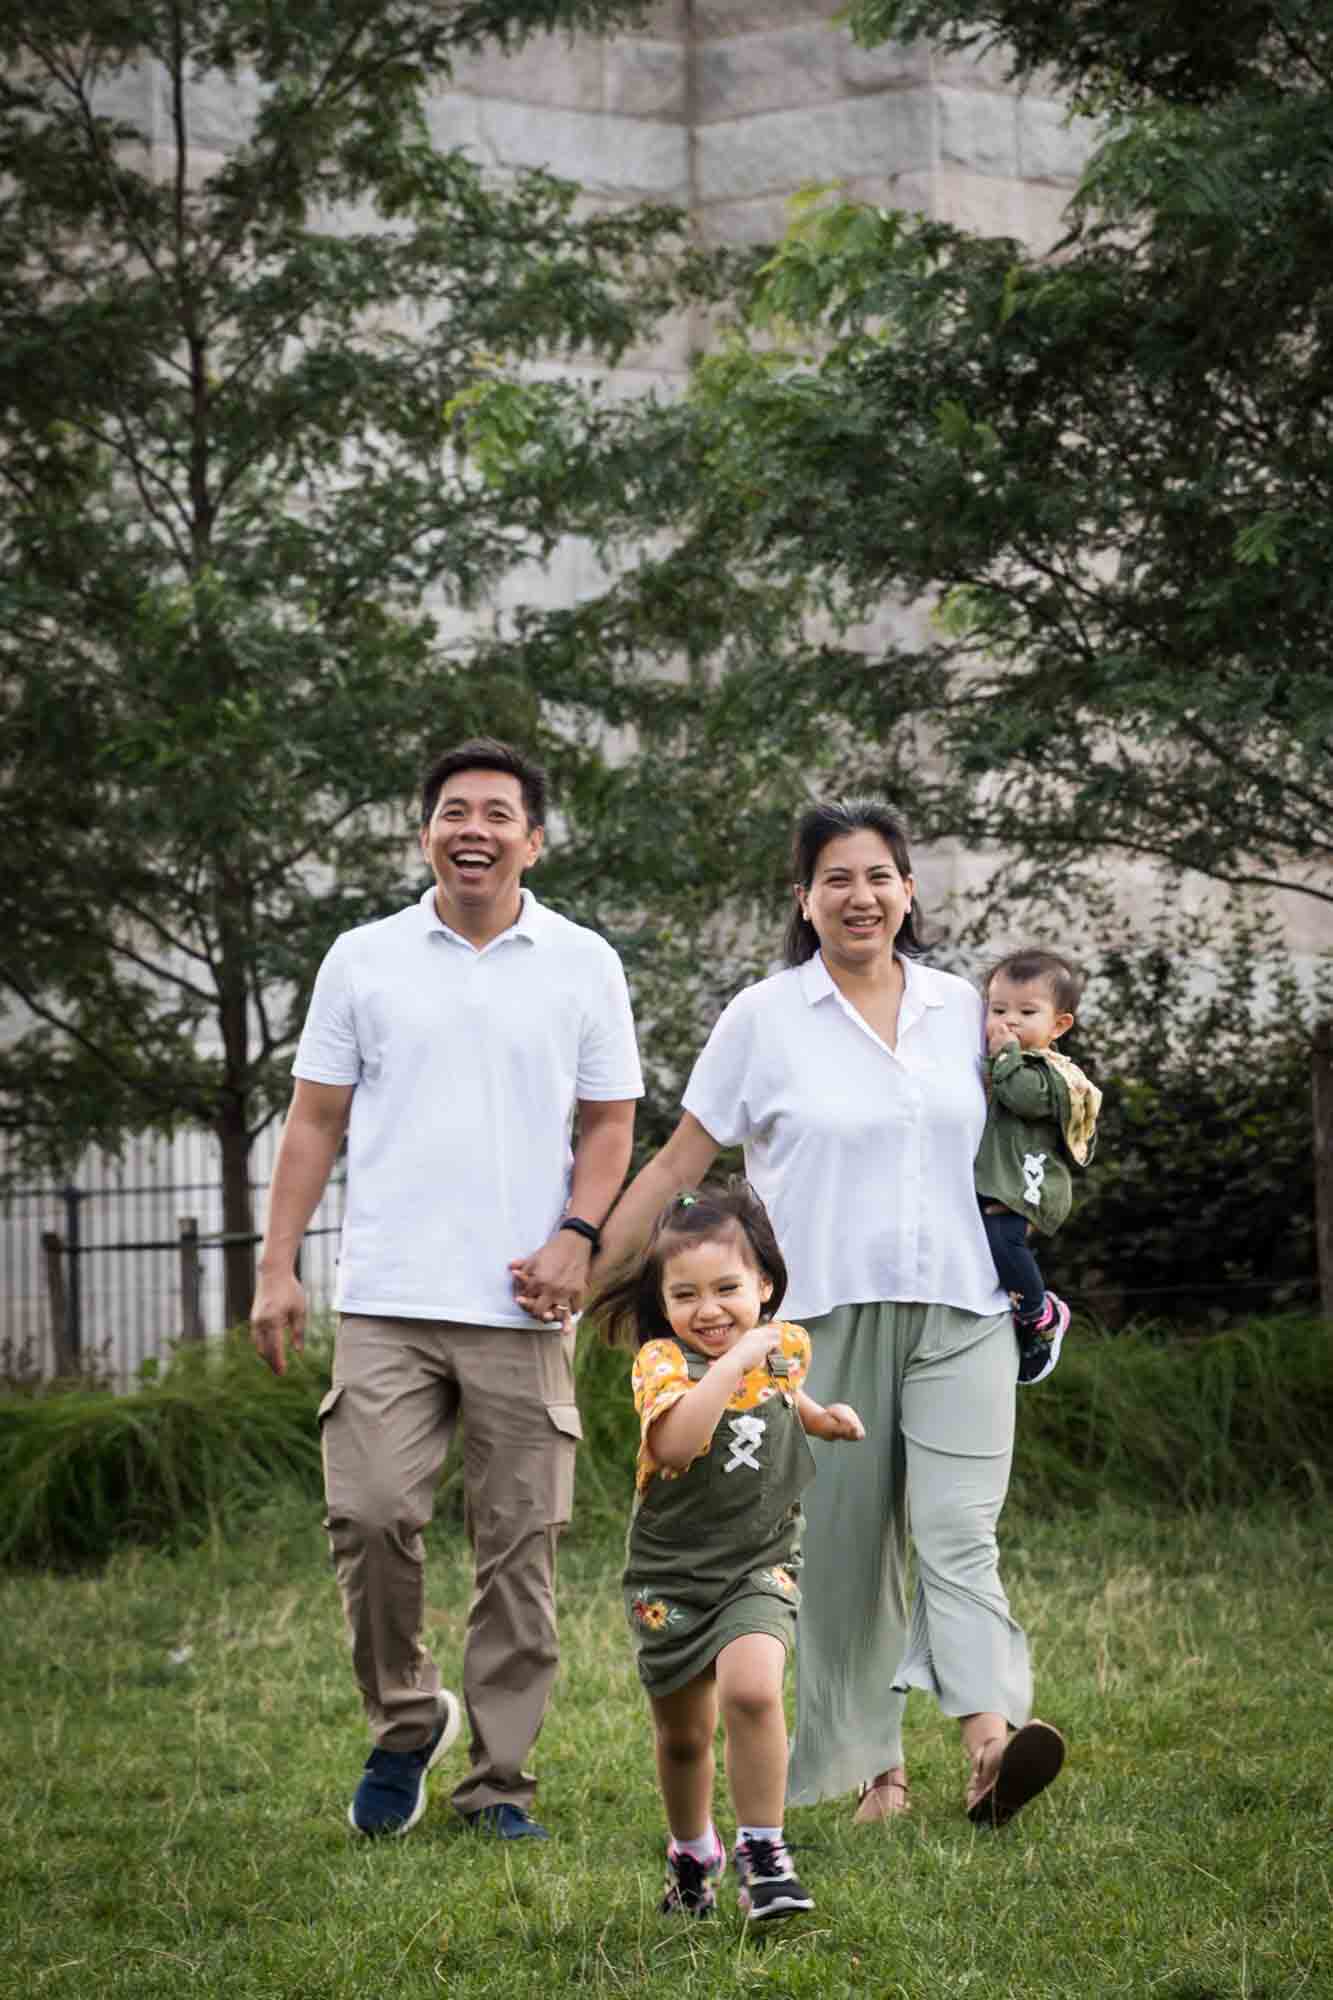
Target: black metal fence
[110,1269]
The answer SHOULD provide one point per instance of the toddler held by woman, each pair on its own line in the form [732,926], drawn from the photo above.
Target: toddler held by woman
[1041,1121]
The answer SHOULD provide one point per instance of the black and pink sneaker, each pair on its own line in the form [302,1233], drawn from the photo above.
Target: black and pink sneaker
[690,1890]
[769,1884]
[1039,1340]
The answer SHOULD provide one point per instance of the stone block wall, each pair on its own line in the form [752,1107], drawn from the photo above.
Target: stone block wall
[731,106]
[784,98]
[727,108]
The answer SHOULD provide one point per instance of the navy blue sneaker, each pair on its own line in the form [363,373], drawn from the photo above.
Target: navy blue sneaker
[391,1796]
[506,1822]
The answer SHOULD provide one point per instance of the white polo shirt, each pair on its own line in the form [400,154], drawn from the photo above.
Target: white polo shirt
[467,1066]
[862,1154]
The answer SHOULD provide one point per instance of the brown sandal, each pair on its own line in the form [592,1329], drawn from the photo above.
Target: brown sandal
[885,1797]
[1026,1764]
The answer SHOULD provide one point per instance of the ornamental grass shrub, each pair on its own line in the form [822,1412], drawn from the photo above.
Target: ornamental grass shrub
[1142,1417]
[82,1471]
[1223,1420]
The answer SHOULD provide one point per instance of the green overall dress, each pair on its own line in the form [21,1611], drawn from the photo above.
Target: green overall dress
[714,1554]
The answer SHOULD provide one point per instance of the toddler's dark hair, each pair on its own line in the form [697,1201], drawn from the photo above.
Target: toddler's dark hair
[1062,979]
[628,1304]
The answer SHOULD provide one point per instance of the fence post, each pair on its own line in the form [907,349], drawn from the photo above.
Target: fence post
[53,1246]
[72,1196]
[192,1316]
[1321,1081]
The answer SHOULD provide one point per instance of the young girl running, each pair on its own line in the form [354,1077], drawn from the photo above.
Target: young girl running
[714,1539]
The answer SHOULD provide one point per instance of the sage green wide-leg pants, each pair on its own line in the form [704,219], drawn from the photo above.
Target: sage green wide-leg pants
[935,1389]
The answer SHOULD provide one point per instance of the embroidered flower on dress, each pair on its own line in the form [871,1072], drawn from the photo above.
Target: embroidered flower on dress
[782,1578]
[654,1613]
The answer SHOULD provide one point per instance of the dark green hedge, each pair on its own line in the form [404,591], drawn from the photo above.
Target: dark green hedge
[1199,1206]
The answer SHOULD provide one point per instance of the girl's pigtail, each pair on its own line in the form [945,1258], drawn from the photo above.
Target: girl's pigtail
[613,1307]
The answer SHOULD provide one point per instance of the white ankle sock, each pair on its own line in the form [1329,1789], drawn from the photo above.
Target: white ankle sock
[769,1833]
[702,1849]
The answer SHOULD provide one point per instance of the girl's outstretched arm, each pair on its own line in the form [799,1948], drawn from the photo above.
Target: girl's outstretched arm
[839,1423]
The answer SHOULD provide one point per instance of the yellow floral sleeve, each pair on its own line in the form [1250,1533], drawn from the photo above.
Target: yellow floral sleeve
[796,1346]
[660,1379]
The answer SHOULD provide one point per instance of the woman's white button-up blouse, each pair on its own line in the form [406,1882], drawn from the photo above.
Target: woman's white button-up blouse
[862,1154]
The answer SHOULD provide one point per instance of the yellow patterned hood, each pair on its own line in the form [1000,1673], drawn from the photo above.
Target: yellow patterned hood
[1085,1102]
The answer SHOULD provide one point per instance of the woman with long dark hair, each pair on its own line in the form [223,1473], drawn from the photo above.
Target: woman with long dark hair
[853,1080]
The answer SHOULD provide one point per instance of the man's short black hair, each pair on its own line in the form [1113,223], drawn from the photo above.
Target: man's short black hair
[487,753]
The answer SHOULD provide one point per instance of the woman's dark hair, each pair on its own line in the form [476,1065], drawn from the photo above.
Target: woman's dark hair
[830,820]
[1062,979]
[629,1303]
[487,753]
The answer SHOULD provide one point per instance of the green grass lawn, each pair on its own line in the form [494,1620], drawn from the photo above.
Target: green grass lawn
[181,1736]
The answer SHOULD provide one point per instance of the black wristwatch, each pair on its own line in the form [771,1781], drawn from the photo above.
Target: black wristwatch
[587,1230]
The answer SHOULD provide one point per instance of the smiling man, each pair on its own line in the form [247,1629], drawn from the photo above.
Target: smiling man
[457,1044]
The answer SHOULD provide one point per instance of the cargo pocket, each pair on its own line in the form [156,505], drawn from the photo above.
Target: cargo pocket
[566,1422]
[328,1404]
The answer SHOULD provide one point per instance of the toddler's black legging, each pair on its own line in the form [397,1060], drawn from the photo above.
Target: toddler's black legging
[1015,1265]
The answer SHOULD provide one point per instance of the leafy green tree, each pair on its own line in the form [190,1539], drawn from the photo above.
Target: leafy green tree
[1114,464]
[233,515]
[1109,470]
[1127,51]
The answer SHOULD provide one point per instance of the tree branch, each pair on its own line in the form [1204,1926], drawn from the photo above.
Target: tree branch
[88,122]
[170,1093]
